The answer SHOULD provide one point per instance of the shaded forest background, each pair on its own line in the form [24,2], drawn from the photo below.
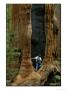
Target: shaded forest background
[13,52]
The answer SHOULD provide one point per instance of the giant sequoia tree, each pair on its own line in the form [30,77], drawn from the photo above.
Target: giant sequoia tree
[38,36]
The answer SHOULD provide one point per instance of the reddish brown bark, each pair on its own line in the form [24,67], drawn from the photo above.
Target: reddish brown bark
[27,75]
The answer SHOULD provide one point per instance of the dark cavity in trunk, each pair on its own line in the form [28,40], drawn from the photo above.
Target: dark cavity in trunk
[38,40]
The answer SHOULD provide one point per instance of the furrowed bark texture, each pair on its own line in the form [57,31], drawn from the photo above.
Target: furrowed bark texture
[27,75]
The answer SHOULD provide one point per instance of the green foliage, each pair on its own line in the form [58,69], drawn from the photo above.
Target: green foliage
[54,79]
[12,53]
[57,77]
[12,57]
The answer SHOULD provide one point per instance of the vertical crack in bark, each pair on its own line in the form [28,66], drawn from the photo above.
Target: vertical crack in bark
[27,75]
[49,64]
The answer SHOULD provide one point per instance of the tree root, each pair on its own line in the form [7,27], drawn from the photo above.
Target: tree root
[36,78]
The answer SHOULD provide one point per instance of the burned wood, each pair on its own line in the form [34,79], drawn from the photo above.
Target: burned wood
[27,75]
